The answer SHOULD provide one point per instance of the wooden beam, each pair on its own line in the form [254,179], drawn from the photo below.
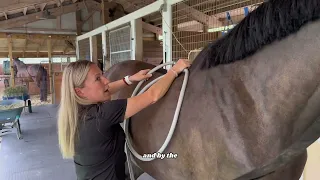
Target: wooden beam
[59,3]
[50,63]
[11,61]
[40,45]
[35,55]
[37,36]
[46,31]
[22,20]
[65,49]
[105,6]
[130,7]
[42,6]
[94,49]
[58,27]
[90,21]
[25,10]
[89,16]
[25,47]
[152,28]
[70,44]
[43,48]
[5,15]
[54,44]
[78,23]
[137,37]
[199,16]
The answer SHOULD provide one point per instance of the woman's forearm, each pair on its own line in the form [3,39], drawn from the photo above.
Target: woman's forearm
[116,86]
[160,88]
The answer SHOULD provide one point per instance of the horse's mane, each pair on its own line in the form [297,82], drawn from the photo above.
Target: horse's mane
[271,21]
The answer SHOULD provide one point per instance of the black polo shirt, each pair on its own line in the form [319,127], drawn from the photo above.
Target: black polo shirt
[99,148]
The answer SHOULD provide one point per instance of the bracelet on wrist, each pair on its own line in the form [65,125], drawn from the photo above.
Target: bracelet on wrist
[174,72]
[127,81]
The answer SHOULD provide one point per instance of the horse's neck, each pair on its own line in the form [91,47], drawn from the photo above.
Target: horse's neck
[21,65]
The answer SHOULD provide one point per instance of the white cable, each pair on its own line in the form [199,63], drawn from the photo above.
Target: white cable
[173,125]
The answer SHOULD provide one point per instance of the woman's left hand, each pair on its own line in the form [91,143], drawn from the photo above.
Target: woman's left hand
[141,75]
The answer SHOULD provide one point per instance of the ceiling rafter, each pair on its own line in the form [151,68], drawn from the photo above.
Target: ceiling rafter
[37,36]
[42,6]
[5,15]
[64,9]
[25,10]
[20,7]
[59,3]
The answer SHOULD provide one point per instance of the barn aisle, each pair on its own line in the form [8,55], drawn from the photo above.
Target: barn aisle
[37,155]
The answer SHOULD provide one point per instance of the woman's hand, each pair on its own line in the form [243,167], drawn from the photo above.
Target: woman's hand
[181,65]
[141,75]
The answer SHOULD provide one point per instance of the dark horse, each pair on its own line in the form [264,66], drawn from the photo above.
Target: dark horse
[36,73]
[251,95]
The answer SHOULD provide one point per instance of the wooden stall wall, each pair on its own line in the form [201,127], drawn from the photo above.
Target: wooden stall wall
[152,52]
[57,87]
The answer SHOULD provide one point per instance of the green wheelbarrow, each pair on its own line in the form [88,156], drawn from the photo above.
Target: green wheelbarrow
[10,112]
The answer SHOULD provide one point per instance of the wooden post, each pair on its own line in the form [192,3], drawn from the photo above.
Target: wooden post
[106,63]
[136,39]
[94,49]
[11,61]
[78,23]
[93,42]
[105,5]
[50,65]
[167,35]
[58,27]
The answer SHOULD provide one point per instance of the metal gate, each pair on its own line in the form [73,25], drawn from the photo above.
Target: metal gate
[84,49]
[198,22]
[120,45]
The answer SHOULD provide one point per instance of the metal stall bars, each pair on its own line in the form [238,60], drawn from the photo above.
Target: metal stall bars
[120,44]
[145,11]
[199,22]
[83,49]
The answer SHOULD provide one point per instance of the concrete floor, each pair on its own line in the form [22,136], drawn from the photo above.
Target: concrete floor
[36,156]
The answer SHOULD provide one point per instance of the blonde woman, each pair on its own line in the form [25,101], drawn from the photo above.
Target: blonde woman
[89,121]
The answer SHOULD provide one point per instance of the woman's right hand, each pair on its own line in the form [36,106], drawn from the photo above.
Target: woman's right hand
[181,65]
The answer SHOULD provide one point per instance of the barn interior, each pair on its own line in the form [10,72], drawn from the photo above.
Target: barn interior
[53,33]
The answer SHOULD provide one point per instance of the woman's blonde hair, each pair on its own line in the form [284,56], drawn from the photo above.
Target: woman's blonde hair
[73,77]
